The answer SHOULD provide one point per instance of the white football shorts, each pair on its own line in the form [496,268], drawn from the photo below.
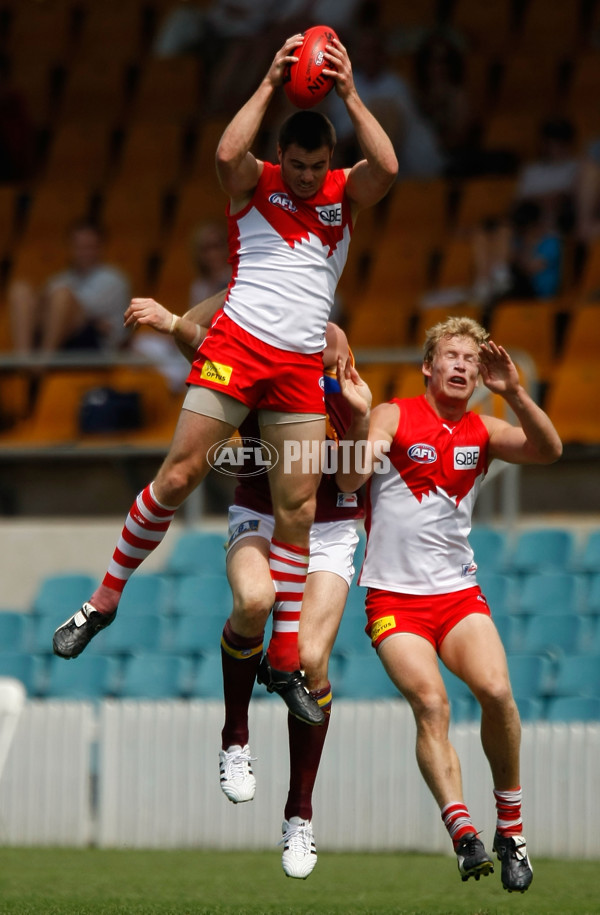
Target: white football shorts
[332,543]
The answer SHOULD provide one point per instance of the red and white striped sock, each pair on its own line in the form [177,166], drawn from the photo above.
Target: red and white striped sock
[145,526]
[289,566]
[508,806]
[457,820]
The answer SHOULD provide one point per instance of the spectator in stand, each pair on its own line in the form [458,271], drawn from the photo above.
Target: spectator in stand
[391,101]
[551,179]
[519,257]
[80,308]
[17,132]
[210,256]
[443,100]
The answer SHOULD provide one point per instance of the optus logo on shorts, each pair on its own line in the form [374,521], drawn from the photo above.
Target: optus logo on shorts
[384,624]
[214,371]
[422,453]
[248,458]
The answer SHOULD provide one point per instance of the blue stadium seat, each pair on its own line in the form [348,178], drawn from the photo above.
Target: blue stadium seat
[589,561]
[197,633]
[542,549]
[145,594]
[553,593]
[28,668]
[530,709]
[15,629]
[455,687]
[573,708]
[510,630]
[351,637]
[197,552]
[363,676]
[59,596]
[207,682]
[489,547]
[500,590]
[578,675]
[557,635]
[96,677]
[593,595]
[530,675]
[132,633]
[152,676]
[202,594]
[355,602]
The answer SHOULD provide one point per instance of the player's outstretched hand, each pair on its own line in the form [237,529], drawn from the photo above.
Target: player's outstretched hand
[355,390]
[284,56]
[340,69]
[497,369]
[150,313]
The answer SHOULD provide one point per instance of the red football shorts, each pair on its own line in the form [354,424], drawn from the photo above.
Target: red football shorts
[259,375]
[430,616]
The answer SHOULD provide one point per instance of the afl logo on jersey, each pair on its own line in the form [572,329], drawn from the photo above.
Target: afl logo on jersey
[283,201]
[422,453]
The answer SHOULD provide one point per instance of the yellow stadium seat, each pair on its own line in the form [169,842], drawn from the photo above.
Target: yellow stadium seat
[572,402]
[529,326]
[582,341]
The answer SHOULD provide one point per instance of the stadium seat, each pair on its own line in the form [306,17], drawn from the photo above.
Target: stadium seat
[351,637]
[510,630]
[207,681]
[573,708]
[132,633]
[593,597]
[530,675]
[455,687]
[198,633]
[202,595]
[355,602]
[589,560]
[152,676]
[557,635]
[28,668]
[542,548]
[578,675]
[60,595]
[571,402]
[196,552]
[95,678]
[15,629]
[489,547]
[363,676]
[530,710]
[528,326]
[500,590]
[145,593]
[551,594]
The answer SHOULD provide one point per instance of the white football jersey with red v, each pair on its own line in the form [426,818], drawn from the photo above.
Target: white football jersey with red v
[419,511]
[287,256]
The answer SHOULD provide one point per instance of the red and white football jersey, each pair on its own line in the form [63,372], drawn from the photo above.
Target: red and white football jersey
[287,256]
[419,512]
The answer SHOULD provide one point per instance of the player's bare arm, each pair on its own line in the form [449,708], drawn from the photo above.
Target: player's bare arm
[187,331]
[371,178]
[383,422]
[535,440]
[237,168]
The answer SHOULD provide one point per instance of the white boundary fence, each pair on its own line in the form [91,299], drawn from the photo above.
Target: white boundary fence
[145,775]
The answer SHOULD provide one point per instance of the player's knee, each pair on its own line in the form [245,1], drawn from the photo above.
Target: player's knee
[494,694]
[431,707]
[254,604]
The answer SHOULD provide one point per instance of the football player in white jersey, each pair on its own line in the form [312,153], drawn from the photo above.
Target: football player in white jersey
[423,600]
[289,228]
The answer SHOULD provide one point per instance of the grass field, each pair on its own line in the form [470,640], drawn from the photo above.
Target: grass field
[93,882]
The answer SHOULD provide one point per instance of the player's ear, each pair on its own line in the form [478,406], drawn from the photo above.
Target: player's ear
[426,369]
[279,154]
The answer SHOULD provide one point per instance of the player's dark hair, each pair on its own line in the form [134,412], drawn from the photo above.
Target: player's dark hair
[308,129]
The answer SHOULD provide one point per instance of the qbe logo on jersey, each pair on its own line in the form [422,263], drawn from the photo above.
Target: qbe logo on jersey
[466,458]
[330,215]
